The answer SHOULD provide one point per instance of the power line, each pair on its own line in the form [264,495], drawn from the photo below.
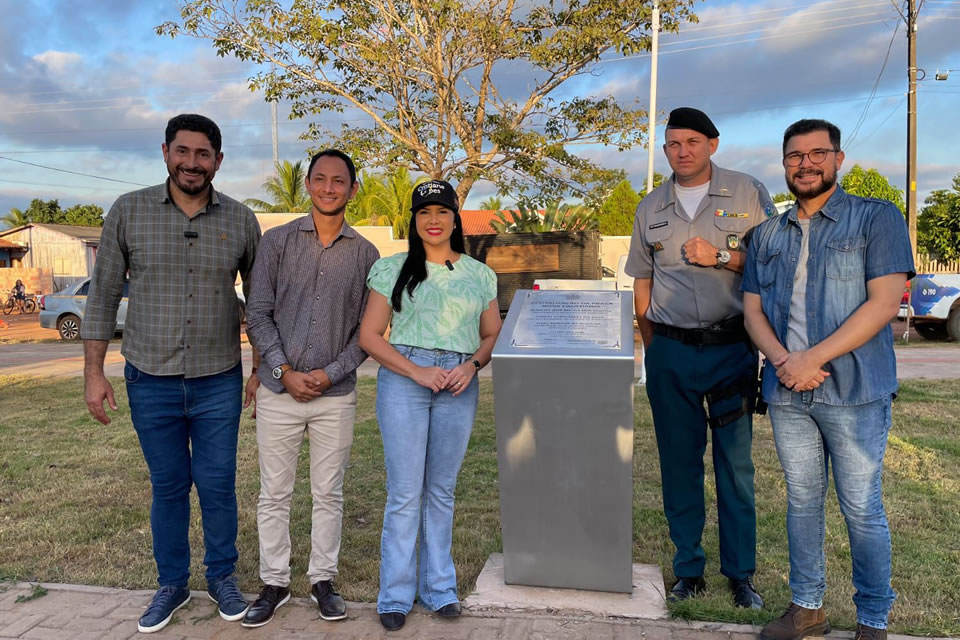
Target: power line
[765,30]
[60,186]
[877,128]
[724,44]
[873,91]
[774,18]
[76,173]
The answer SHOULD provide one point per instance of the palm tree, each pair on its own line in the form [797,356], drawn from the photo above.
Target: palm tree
[287,189]
[384,200]
[555,217]
[16,218]
[493,203]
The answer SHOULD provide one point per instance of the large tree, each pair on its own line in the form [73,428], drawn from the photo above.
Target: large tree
[434,83]
[870,183]
[938,225]
[287,190]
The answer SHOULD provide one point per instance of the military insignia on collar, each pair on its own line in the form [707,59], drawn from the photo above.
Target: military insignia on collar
[733,241]
[657,246]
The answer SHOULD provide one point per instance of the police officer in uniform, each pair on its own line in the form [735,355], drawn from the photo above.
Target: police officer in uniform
[686,255]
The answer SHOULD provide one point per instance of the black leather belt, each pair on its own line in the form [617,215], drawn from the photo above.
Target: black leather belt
[729,331]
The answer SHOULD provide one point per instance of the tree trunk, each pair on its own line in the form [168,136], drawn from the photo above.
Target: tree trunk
[463,189]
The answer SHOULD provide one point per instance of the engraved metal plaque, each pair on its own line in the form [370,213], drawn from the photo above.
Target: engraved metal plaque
[578,319]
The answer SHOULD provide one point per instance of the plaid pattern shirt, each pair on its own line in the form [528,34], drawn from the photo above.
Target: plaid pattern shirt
[183,316]
[306,303]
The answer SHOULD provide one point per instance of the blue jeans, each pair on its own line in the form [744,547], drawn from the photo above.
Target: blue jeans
[188,433]
[425,436]
[809,435]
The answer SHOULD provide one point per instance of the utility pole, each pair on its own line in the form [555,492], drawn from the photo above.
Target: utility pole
[911,19]
[652,114]
[912,124]
[276,147]
[273,116]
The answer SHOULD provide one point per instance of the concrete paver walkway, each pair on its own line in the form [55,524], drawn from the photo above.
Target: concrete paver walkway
[76,612]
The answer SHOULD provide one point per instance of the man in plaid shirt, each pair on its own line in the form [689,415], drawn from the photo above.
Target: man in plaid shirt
[182,244]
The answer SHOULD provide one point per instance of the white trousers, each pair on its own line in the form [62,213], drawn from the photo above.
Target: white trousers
[281,424]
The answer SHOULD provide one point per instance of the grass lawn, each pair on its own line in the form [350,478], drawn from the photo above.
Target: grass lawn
[75,499]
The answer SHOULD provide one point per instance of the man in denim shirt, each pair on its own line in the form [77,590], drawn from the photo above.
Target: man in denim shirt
[821,284]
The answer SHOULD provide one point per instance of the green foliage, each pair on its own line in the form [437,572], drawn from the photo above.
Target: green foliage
[36,591]
[286,188]
[616,213]
[870,183]
[938,225]
[784,196]
[427,77]
[555,217]
[384,200]
[493,203]
[49,212]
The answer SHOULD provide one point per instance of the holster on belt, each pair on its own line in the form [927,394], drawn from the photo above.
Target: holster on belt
[731,402]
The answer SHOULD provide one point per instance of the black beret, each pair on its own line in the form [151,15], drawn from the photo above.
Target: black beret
[690,118]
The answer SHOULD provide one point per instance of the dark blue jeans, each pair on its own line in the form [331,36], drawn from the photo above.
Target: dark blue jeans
[188,432]
[679,376]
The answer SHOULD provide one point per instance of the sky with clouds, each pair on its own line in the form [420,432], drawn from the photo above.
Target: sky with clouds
[87,86]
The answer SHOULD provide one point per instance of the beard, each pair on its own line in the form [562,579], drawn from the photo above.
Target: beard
[826,183]
[191,189]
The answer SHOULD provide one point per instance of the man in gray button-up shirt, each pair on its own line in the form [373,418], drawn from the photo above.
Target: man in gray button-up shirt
[304,310]
[686,256]
[182,244]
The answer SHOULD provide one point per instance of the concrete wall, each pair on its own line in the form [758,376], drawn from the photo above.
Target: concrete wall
[611,247]
[35,280]
[381,237]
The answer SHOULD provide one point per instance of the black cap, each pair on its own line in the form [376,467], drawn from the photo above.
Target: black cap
[434,192]
[690,118]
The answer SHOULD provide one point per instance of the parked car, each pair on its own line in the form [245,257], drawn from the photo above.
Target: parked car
[63,310]
[935,298]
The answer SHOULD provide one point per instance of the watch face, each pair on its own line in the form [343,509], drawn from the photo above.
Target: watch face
[278,373]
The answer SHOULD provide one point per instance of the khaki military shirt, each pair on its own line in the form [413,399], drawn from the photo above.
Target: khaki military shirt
[686,295]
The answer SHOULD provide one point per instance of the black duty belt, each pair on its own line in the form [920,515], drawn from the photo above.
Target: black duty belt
[729,331]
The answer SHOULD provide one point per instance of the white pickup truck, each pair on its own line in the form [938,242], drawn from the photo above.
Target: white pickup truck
[935,300]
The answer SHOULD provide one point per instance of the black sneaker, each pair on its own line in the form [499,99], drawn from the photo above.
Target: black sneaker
[331,604]
[261,611]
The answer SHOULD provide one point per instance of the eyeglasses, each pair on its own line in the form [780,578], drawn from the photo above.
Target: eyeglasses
[816,156]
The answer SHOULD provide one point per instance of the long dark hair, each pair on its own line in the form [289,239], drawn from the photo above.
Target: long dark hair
[414,269]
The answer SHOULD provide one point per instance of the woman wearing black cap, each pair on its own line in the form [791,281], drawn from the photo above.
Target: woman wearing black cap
[441,306]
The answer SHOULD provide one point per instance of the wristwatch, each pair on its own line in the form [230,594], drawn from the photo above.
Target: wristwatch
[723,258]
[278,372]
[477,364]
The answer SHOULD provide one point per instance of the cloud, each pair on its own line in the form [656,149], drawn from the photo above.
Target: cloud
[59,62]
